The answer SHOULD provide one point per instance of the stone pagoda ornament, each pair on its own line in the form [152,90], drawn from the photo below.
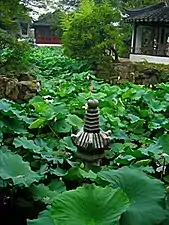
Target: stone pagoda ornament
[90,140]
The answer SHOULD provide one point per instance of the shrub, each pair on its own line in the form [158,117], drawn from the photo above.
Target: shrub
[12,53]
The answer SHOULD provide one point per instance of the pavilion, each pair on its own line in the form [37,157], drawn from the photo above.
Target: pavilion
[44,34]
[150,36]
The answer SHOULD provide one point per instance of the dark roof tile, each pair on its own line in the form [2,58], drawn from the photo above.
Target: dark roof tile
[153,13]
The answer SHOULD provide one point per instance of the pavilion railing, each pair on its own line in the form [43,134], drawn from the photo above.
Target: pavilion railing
[150,51]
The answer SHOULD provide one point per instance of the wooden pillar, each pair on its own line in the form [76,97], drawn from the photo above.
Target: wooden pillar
[162,41]
[133,44]
[138,41]
[158,40]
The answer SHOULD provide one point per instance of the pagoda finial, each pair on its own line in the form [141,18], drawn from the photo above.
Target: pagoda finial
[90,140]
[92,119]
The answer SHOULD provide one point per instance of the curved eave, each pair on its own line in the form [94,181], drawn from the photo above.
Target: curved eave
[146,20]
[40,25]
[135,12]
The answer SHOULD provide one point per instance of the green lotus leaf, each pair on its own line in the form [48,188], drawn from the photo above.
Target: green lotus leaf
[157,106]
[37,123]
[57,185]
[44,218]
[26,144]
[68,144]
[62,126]
[13,167]
[146,195]
[89,205]
[133,118]
[47,193]
[42,193]
[164,141]
[74,121]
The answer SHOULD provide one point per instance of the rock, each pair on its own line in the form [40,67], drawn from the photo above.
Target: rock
[149,71]
[13,89]
[133,72]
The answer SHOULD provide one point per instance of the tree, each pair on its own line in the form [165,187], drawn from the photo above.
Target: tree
[138,4]
[67,5]
[121,4]
[11,50]
[92,31]
[10,10]
[37,7]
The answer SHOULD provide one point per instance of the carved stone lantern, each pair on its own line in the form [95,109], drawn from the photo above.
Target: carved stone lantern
[90,140]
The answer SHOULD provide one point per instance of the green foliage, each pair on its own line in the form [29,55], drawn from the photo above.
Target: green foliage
[50,62]
[137,115]
[37,154]
[90,31]
[13,54]
[139,4]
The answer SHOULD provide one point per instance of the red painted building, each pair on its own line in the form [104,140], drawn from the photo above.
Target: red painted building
[44,34]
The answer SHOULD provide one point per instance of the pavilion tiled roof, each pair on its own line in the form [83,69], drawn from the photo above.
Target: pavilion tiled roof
[41,22]
[153,13]
[46,20]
